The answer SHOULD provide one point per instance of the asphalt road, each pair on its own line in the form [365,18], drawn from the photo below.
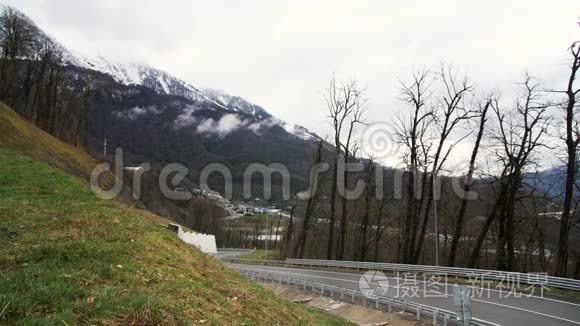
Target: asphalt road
[489,304]
[232,253]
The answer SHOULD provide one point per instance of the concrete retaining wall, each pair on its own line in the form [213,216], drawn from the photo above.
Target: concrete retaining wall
[205,242]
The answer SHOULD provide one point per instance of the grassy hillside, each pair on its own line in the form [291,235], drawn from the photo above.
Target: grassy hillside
[23,137]
[68,258]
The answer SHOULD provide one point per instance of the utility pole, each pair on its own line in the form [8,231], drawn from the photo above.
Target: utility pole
[268,235]
[435,220]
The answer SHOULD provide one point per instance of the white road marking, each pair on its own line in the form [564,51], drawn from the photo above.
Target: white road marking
[492,290]
[529,311]
[446,295]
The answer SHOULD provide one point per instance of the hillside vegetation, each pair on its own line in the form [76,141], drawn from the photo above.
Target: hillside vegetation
[21,136]
[68,258]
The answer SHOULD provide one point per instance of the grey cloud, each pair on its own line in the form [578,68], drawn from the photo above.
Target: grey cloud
[232,122]
[185,118]
[137,112]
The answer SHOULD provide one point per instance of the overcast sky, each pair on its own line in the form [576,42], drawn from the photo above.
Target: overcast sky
[280,55]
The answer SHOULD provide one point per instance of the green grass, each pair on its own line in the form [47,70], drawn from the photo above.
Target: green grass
[68,258]
[23,137]
[260,254]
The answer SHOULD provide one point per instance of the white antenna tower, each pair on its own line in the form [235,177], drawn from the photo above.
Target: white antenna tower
[105,148]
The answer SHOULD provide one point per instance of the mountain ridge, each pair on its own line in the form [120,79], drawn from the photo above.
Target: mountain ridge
[164,83]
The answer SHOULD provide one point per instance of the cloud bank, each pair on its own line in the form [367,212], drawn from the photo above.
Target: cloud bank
[232,122]
[137,112]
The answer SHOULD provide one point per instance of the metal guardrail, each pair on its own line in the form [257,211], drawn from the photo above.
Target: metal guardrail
[236,250]
[386,303]
[526,278]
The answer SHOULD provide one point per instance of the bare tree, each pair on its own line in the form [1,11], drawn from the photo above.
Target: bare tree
[467,185]
[411,133]
[449,113]
[370,168]
[17,33]
[572,140]
[342,100]
[516,138]
[18,36]
[350,151]
[314,181]
[285,249]
[381,205]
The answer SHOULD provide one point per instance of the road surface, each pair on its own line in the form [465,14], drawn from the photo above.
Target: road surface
[499,307]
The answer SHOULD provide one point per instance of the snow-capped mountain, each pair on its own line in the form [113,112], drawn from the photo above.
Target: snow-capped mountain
[143,75]
[300,132]
[164,83]
[236,103]
[155,117]
[127,74]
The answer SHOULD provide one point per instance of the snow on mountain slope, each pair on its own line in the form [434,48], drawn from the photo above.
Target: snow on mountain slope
[137,74]
[300,132]
[164,83]
[236,103]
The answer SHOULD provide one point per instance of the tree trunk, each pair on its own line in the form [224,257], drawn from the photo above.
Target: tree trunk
[332,219]
[482,235]
[410,216]
[467,188]
[427,210]
[365,226]
[343,222]
[572,141]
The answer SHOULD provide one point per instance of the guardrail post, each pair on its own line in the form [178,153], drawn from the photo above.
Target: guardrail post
[288,281]
[352,297]
[341,293]
[404,306]
[304,285]
[445,319]
[419,309]
[377,303]
[322,289]
[332,292]
[390,304]
[435,315]
[364,301]
[280,279]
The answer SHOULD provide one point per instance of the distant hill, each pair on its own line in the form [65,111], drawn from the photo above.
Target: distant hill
[550,182]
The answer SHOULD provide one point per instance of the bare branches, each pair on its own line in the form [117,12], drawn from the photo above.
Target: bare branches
[344,100]
[519,132]
[346,103]
[17,33]
[412,130]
